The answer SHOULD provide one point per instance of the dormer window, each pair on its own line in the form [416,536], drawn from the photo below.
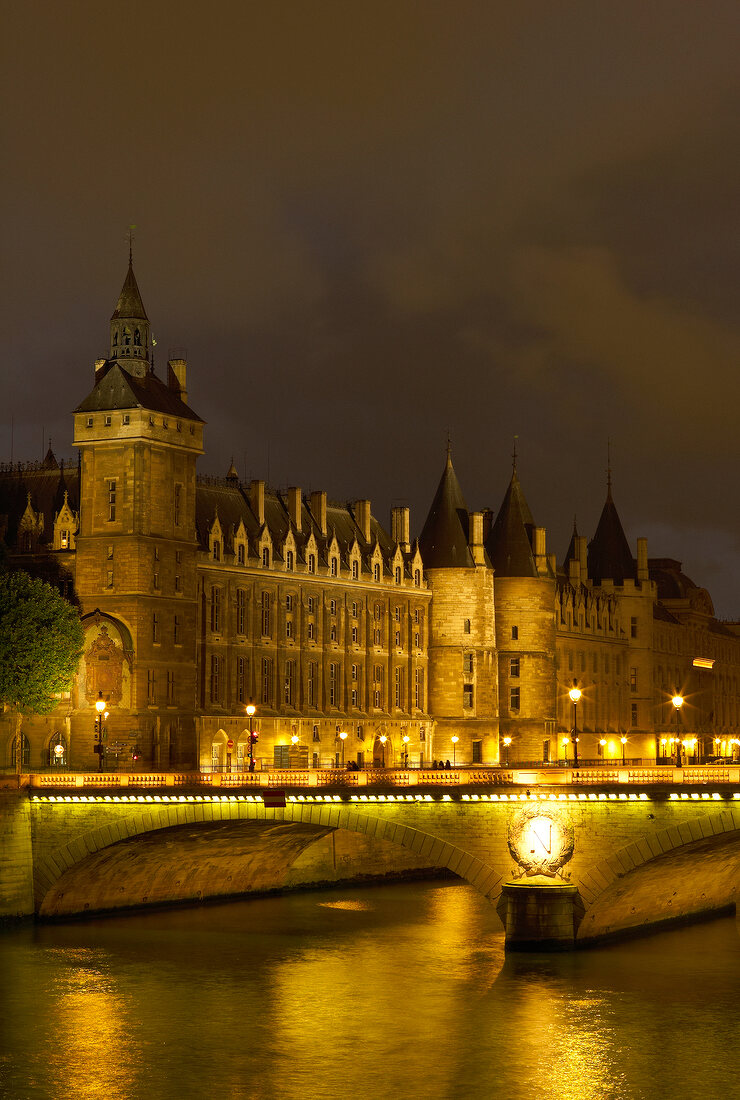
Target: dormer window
[334,567]
[89,422]
[64,540]
[107,421]
[126,418]
[266,557]
[355,570]
[376,571]
[398,574]
[417,578]
[312,563]
[216,550]
[240,554]
[289,561]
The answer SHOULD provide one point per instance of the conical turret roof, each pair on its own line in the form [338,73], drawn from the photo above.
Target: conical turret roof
[509,543]
[571,553]
[444,539]
[130,305]
[609,555]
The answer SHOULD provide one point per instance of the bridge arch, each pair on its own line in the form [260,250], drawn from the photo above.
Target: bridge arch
[670,874]
[90,856]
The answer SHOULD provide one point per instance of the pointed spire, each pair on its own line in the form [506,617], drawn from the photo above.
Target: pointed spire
[232,474]
[443,542]
[608,468]
[571,553]
[513,456]
[509,543]
[609,555]
[129,326]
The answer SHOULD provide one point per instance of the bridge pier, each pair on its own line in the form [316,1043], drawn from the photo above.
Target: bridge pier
[540,916]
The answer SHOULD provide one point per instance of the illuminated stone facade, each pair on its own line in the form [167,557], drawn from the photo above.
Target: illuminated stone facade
[200,595]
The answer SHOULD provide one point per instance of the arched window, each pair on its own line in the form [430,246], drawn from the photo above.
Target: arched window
[25,751]
[137,338]
[334,567]
[417,578]
[126,337]
[58,751]
[115,339]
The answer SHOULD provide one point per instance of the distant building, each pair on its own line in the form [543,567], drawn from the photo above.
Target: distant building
[200,595]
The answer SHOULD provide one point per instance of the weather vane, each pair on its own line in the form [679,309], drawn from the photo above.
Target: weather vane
[130,236]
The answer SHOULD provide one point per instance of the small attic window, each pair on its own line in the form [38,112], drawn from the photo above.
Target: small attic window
[126,418]
[240,554]
[89,422]
[216,550]
[108,421]
[376,572]
[466,626]
[417,578]
[151,421]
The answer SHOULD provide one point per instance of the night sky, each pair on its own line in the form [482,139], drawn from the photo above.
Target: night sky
[369,224]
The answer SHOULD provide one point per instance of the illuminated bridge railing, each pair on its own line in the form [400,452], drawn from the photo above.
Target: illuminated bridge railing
[379,777]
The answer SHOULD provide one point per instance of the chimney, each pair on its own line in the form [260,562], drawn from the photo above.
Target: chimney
[257,500]
[295,506]
[643,572]
[400,527]
[176,378]
[475,537]
[318,509]
[362,517]
[540,550]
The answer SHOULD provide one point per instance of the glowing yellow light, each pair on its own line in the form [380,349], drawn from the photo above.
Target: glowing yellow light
[342,735]
[454,739]
[251,709]
[677,701]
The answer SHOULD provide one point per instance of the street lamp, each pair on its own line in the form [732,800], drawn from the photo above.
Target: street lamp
[98,748]
[624,743]
[566,742]
[454,739]
[343,738]
[677,701]
[405,740]
[507,742]
[602,744]
[575,695]
[251,708]
[383,740]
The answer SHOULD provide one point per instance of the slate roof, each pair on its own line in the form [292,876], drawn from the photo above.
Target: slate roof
[229,499]
[117,389]
[444,538]
[609,555]
[509,542]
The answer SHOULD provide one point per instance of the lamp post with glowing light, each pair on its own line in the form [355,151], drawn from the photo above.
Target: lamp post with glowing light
[454,739]
[383,740]
[343,738]
[677,701]
[602,746]
[98,748]
[624,745]
[405,740]
[251,708]
[566,742]
[575,695]
[507,742]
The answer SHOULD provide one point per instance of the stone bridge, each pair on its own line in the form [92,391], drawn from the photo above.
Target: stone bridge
[574,861]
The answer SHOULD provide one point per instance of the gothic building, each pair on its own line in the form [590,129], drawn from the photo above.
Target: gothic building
[201,595]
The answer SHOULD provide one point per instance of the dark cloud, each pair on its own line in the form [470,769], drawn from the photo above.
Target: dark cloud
[369,225]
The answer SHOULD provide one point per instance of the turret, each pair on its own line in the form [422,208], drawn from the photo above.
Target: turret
[130,330]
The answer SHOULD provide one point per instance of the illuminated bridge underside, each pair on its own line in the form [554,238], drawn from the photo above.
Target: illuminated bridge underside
[183,863]
[700,878]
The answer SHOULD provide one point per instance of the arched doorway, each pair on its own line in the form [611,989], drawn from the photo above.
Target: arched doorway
[382,751]
[58,751]
[25,751]
[218,751]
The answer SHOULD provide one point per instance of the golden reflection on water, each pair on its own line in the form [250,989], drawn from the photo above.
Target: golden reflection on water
[100,1058]
[354,904]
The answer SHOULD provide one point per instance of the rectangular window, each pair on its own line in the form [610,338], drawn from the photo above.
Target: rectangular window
[355,570]
[311,605]
[332,685]
[419,688]
[111,499]
[378,686]
[108,420]
[289,682]
[416,640]
[377,637]
[312,563]
[466,626]
[468,664]
[266,556]
[289,628]
[468,696]
[215,678]
[310,632]
[241,556]
[397,614]
[267,681]
[176,504]
[151,687]
[215,609]
[634,715]
[354,610]
[633,627]
[289,603]
[398,638]
[633,679]
[477,752]
[177,584]
[156,580]
[170,687]
[514,699]
[332,607]
[354,671]
[155,628]
[514,638]
[241,610]
[216,550]
[398,687]
[355,702]
[241,679]
[312,683]
[110,578]
[354,635]
[514,666]
[266,623]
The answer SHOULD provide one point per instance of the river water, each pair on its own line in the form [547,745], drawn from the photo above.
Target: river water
[395,991]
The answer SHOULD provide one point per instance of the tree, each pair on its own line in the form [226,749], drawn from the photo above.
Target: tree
[41,641]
